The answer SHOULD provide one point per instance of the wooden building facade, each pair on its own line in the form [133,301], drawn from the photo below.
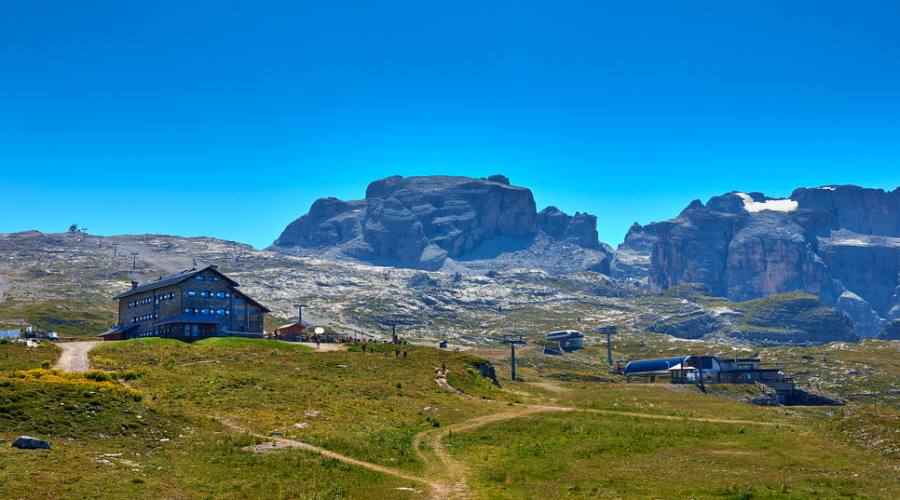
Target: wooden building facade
[189,304]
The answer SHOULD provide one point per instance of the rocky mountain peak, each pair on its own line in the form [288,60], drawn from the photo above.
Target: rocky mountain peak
[840,243]
[421,222]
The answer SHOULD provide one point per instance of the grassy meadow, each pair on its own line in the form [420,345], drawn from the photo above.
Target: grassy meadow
[163,418]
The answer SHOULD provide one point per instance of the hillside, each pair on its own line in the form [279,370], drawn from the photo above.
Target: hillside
[227,418]
[65,282]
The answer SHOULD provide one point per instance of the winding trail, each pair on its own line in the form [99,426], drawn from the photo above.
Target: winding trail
[445,476]
[74,357]
[280,443]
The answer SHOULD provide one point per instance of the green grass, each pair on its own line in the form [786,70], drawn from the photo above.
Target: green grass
[366,405]
[370,406]
[19,357]
[849,370]
[67,317]
[588,456]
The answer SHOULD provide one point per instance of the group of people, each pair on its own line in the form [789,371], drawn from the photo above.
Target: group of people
[397,353]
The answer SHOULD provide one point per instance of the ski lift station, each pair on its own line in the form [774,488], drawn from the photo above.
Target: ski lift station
[567,340]
[715,370]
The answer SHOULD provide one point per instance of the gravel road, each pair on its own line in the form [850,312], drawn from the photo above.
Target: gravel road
[74,357]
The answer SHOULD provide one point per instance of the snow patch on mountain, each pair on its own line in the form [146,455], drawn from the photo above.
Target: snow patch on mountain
[782,205]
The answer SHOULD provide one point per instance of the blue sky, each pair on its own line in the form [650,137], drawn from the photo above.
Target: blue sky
[229,119]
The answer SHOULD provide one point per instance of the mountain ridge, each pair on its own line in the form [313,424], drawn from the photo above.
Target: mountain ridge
[840,243]
[435,222]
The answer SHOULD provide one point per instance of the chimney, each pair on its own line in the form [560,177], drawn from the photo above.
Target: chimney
[134,284]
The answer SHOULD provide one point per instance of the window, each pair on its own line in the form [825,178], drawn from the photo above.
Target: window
[205,294]
[189,310]
[220,312]
[205,310]
[192,293]
[200,277]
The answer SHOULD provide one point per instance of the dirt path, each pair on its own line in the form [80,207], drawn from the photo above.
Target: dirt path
[324,346]
[445,476]
[74,357]
[456,474]
[279,443]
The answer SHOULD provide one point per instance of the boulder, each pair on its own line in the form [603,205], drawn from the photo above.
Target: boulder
[30,443]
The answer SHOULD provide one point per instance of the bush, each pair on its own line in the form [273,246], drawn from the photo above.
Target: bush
[98,376]
[129,374]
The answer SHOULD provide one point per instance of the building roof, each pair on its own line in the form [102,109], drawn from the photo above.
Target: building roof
[304,326]
[172,279]
[117,329]
[564,335]
[652,366]
[191,318]
[249,299]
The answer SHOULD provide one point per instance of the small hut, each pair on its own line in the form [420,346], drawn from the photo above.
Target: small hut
[292,331]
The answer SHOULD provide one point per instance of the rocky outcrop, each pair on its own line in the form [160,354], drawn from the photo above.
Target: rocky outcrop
[792,318]
[840,243]
[580,229]
[631,261]
[422,222]
[892,331]
[857,209]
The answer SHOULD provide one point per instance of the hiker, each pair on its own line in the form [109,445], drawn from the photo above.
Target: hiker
[443,368]
[404,354]
[397,353]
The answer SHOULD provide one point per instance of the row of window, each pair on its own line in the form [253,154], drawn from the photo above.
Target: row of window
[145,317]
[141,302]
[206,310]
[208,294]
[149,300]
[201,277]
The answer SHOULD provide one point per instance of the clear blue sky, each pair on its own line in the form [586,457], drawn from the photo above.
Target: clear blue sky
[229,119]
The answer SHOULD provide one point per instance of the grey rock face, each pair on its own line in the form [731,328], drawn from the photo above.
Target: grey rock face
[839,243]
[632,258]
[30,443]
[421,222]
[857,209]
[867,322]
[580,229]
[892,332]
